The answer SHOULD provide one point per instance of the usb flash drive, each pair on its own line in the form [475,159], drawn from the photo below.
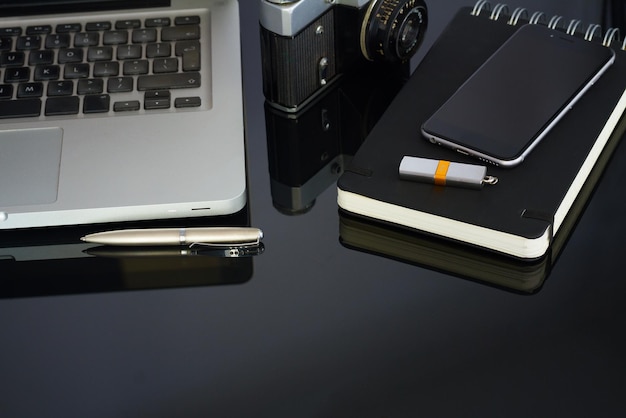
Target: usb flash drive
[445,173]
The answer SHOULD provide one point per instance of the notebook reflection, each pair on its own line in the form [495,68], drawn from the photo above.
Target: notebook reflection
[438,254]
[309,149]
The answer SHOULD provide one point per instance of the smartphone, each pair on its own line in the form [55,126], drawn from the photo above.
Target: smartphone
[510,103]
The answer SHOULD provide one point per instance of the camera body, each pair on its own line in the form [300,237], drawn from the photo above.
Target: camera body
[306,45]
[309,149]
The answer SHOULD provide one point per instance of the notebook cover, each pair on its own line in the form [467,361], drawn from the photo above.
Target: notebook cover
[526,198]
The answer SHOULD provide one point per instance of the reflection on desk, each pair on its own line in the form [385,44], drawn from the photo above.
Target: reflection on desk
[53,261]
[445,256]
[309,149]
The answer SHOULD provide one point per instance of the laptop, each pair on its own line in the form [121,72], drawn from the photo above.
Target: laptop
[119,111]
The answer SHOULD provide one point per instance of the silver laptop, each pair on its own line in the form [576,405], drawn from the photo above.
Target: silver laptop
[115,114]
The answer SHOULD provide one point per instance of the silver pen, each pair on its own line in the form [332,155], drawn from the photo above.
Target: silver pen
[209,236]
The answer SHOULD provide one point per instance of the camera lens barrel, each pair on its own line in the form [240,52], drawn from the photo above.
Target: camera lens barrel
[393,30]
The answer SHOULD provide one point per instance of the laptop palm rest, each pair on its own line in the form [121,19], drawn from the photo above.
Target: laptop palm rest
[29,166]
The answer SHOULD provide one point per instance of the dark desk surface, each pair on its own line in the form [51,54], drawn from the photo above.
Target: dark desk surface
[311,328]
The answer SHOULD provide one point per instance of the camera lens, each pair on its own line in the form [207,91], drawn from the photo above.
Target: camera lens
[392,30]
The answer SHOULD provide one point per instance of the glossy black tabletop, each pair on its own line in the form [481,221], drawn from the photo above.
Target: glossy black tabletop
[313,327]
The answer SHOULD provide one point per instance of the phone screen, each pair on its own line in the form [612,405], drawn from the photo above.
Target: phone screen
[518,94]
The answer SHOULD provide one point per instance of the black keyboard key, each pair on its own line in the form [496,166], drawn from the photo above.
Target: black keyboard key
[158,50]
[157,94]
[120,84]
[86,39]
[12,59]
[143,36]
[158,99]
[155,104]
[70,55]
[106,69]
[126,106]
[165,65]
[59,40]
[191,61]
[115,37]
[6,43]
[41,57]
[60,88]
[182,102]
[128,24]
[96,26]
[158,22]
[168,81]
[96,103]
[29,90]
[73,71]
[68,105]
[129,52]
[19,108]
[28,43]
[68,27]
[38,30]
[90,86]
[6,91]
[136,67]
[12,31]
[180,33]
[187,20]
[47,72]
[100,53]
[16,75]
[186,46]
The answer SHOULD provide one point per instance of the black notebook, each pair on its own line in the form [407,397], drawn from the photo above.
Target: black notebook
[466,262]
[521,214]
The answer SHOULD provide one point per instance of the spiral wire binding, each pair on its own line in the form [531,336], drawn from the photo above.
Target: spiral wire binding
[611,35]
[591,30]
[518,13]
[480,4]
[556,22]
[537,18]
[500,7]
[573,25]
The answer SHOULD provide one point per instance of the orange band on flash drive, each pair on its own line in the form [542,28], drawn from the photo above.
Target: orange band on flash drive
[440,173]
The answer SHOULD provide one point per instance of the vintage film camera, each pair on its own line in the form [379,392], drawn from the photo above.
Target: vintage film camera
[309,149]
[307,44]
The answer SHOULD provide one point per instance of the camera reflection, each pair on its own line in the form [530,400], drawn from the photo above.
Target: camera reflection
[309,149]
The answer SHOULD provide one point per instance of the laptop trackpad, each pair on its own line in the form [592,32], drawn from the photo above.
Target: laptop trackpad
[30,160]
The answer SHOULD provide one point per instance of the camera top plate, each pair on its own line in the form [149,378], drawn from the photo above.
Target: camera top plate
[289,17]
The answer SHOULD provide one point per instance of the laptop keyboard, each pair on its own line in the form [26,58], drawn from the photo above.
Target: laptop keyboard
[117,66]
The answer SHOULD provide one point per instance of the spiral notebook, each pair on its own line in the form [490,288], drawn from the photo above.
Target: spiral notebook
[519,216]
